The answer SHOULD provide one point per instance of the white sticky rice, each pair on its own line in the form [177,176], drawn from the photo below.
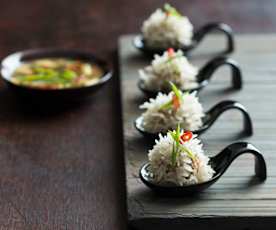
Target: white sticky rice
[165,68]
[189,115]
[186,171]
[162,31]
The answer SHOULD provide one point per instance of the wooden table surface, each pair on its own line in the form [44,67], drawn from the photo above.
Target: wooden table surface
[63,169]
[238,200]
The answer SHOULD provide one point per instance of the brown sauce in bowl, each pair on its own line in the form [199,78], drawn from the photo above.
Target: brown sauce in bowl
[57,73]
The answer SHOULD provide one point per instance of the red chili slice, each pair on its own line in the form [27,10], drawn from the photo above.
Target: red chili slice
[186,136]
[170,52]
[176,102]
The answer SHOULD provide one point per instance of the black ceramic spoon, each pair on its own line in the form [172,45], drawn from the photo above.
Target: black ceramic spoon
[204,75]
[219,163]
[198,36]
[209,119]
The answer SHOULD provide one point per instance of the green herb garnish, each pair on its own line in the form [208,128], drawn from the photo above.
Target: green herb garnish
[68,74]
[167,105]
[47,75]
[172,102]
[178,147]
[188,151]
[177,55]
[176,91]
[171,10]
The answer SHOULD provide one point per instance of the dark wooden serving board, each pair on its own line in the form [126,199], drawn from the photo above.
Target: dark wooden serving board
[237,200]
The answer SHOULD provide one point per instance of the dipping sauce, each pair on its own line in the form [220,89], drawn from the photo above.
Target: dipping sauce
[57,73]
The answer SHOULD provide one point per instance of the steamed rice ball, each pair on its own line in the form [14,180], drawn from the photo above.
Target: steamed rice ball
[167,28]
[171,66]
[183,165]
[166,111]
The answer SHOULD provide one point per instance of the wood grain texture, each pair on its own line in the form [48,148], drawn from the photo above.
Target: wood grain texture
[52,172]
[55,165]
[236,200]
[60,167]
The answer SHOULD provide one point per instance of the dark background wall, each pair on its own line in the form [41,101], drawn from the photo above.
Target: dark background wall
[96,24]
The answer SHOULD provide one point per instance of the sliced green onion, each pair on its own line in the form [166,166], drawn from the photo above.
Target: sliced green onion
[166,105]
[68,74]
[188,151]
[173,57]
[168,8]
[176,91]
[177,147]
[178,94]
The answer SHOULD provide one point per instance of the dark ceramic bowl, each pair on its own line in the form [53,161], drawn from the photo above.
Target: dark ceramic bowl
[205,74]
[11,62]
[219,163]
[198,36]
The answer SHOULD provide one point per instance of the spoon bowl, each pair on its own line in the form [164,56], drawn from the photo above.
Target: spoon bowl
[140,43]
[219,163]
[211,116]
[204,76]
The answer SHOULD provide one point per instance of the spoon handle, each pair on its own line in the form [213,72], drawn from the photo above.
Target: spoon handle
[223,160]
[223,106]
[206,72]
[221,27]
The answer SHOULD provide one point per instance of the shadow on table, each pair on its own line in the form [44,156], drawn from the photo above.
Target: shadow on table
[14,107]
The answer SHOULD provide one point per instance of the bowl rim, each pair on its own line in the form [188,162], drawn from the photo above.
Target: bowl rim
[32,54]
